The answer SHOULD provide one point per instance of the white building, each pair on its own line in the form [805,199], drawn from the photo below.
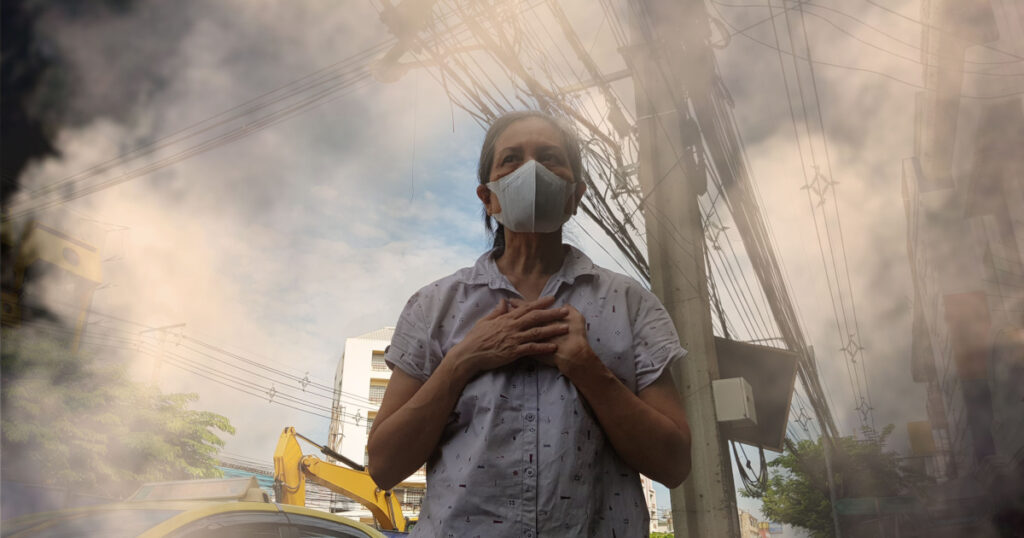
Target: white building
[652,501]
[964,202]
[750,527]
[359,384]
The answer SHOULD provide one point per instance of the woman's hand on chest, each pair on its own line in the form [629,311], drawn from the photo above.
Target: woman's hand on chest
[574,354]
[507,334]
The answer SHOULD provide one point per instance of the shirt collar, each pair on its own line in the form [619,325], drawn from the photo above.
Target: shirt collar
[485,271]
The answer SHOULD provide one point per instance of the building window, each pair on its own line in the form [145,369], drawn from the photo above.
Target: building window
[377,363]
[413,496]
[377,393]
[369,424]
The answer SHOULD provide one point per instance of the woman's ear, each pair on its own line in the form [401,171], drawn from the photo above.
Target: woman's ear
[581,188]
[484,194]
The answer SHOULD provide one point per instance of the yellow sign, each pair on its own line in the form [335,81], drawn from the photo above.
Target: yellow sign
[53,246]
[921,441]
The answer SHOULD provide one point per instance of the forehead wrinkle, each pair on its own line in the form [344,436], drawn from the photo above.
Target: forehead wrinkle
[548,135]
[539,147]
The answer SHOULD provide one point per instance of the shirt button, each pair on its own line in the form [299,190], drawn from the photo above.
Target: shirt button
[528,534]
[529,471]
[530,417]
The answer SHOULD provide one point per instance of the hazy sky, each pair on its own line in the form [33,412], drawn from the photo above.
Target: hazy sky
[282,244]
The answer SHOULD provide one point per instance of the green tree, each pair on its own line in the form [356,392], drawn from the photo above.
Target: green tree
[797,489]
[78,421]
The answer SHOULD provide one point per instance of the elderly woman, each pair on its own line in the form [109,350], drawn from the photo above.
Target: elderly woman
[534,384]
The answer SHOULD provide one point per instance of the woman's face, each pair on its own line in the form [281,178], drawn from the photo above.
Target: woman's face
[530,138]
[526,139]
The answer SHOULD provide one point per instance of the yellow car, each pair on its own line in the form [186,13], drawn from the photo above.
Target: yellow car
[193,509]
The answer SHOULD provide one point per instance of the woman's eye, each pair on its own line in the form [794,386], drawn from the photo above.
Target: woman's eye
[550,158]
[508,159]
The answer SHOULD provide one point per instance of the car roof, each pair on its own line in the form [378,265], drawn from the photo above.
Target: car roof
[189,511]
[201,510]
[302,510]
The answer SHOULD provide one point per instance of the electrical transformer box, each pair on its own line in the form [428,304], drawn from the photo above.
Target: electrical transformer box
[734,401]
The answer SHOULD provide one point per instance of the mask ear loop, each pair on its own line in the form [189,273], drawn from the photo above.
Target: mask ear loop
[577,202]
[494,187]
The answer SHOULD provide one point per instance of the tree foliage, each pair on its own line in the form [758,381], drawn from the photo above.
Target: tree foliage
[797,490]
[78,421]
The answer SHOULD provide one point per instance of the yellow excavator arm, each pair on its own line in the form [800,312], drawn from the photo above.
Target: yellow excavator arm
[292,468]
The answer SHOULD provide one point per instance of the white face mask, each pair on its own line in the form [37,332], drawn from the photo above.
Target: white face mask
[532,199]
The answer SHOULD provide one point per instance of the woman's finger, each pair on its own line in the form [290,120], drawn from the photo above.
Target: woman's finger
[546,331]
[529,335]
[536,348]
[542,317]
[537,334]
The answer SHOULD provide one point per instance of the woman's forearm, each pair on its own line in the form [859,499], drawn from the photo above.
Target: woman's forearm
[402,440]
[655,442]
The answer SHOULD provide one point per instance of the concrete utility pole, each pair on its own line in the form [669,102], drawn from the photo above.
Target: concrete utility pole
[670,58]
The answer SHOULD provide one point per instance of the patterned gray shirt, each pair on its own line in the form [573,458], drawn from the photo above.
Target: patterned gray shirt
[523,454]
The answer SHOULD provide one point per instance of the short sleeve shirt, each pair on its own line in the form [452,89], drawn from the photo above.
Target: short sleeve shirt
[523,454]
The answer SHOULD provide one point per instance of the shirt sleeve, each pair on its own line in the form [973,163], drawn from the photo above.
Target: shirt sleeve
[412,349]
[655,341]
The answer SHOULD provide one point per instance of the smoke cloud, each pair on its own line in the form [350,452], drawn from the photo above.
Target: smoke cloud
[282,244]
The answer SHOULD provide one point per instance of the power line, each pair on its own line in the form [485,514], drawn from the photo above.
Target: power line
[492,40]
[941,30]
[197,368]
[236,112]
[286,380]
[916,46]
[859,69]
[840,313]
[252,362]
[797,315]
[51,197]
[309,91]
[839,225]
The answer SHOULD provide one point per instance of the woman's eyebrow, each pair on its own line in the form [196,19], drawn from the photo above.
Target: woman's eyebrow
[550,147]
